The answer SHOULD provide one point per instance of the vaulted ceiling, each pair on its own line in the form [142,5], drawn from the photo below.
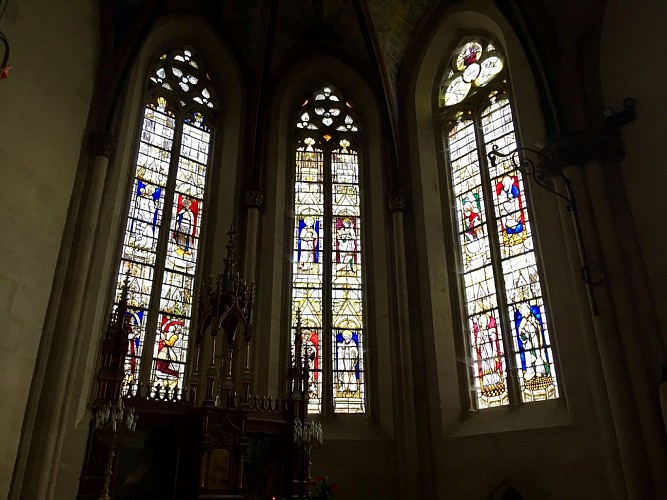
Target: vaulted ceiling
[378,38]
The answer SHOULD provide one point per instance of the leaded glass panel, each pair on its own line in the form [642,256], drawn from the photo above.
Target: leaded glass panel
[327,249]
[501,285]
[519,268]
[161,246]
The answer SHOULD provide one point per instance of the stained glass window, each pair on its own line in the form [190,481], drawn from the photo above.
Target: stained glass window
[504,311]
[327,287]
[161,243]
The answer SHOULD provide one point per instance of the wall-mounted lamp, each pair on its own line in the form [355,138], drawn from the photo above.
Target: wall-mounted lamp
[5,67]
[535,163]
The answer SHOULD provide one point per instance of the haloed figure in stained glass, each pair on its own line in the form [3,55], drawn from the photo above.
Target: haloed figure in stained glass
[185,225]
[487,345]
[145,216]
[310,346]
[160,244]
[327,291]
[473,232]
[348,363]
[512,219]
[308,242]
[170,333]
[133,334]
[500,273]
[346,243]
[532,347]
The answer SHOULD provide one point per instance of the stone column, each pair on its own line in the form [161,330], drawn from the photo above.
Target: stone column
[663,403]
[46,421]
[635,330]
[627,411]
[409,457]
[254,198]
[608,371]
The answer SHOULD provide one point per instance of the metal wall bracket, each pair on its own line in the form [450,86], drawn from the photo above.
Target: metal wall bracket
[534,163]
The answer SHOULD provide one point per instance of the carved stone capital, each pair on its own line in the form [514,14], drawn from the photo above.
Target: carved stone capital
[397,201]
[254,198]
[583,146]
[102,144]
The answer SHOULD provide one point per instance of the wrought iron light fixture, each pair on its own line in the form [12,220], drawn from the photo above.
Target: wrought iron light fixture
[534,163]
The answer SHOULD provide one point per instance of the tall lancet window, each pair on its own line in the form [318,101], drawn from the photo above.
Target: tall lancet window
[503,307]
[327,287]
[161,244]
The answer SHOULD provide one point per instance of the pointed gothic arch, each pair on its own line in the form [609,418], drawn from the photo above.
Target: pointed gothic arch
[327,293]
[161,242]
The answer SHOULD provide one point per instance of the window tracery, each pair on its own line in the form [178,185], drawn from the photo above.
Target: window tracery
[161,243]
[504,309]
[327,291]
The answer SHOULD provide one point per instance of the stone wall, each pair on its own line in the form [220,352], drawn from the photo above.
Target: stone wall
[631,65]
[43,112]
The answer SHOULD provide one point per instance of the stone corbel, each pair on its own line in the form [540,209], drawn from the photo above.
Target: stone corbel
[102,144]
[398,201]
[254,198]
[584,146]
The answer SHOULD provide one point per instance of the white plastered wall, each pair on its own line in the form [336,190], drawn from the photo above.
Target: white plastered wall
[220,211]
[43,112]
[631,66]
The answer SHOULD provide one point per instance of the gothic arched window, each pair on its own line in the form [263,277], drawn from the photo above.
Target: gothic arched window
[161,244]
[327,288]
[503,306]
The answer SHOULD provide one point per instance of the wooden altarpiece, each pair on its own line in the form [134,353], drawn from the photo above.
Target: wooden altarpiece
[213,439]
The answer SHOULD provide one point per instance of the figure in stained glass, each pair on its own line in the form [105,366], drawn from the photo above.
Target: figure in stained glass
[170,333]
[472,229]
[512,218]
[346,243]
[311,345]
[144,217]
[347,359]
[326,189]
[134,334]
[308,242]
[152,258]
[500,273]
[185,225]
[531,342]
[488,351]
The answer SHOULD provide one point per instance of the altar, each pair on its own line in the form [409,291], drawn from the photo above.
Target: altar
[210,438]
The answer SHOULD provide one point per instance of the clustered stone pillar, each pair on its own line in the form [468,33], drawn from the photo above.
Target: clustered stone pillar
[409,455]
[626,408]
[55,382]
[254,198]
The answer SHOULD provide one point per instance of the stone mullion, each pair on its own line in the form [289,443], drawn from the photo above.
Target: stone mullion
[513,385]
[409,458]
[254,198]
[326,342]
[160,260]
[43,460]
